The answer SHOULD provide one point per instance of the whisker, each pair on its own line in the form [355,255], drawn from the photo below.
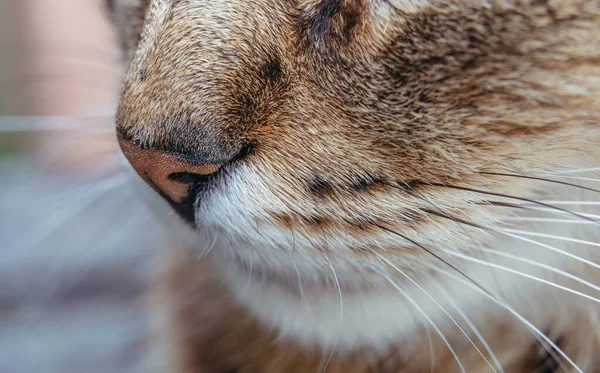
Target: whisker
[339,289]
[501,231]
[561,238]
[436,303]
[535,208]
[341,312]
[541,179]
[515,198]
[473,284]
[431,351]
[523,274]
[429,320]
[300,288]
[582,203]
[472,326]
[541,265]
[504,305]
[573,177]
[430,252]
[547,220]
[207,251]
[580,170]
[328,358]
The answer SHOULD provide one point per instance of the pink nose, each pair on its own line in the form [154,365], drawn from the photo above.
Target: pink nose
[163,171]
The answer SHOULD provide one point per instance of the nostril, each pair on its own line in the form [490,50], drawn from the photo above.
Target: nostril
[190,178]
[178,177]
[245,151]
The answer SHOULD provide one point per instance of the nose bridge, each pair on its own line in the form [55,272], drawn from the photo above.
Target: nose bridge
[154,98]
[167,104]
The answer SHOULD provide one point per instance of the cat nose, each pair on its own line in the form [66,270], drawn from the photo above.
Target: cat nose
[172,175]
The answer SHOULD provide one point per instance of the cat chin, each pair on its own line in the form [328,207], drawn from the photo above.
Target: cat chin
[317,317]
[381,315]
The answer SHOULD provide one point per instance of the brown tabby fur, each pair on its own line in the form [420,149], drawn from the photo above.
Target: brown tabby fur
[346,100]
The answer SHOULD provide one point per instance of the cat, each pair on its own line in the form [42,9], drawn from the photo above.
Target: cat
[388,186]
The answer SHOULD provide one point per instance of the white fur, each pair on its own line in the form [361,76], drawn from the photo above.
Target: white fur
[371,312]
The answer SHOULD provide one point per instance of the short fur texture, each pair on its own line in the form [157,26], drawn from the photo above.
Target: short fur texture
[373,149]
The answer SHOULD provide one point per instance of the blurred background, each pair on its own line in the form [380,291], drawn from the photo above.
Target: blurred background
[76,244]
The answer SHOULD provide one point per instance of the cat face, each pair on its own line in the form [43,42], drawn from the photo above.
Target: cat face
[312,135]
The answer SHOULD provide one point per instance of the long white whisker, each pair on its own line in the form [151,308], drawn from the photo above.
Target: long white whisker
[300,288]
[523,274]
[573,203]
[501,231]
[339,289]
[553,211]
[429,320]
[207,251]
[328,358]
[579,170]
[431,351]
[575,178]
[473,328]
[548,220]
[298,277]
[541,265]
[436,303]
[562,252]
[503,304]
[560,238]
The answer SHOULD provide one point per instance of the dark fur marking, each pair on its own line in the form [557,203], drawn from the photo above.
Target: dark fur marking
[273,70]
[363,183]
[266,87]
[409,185]
[316,220]
[320,188]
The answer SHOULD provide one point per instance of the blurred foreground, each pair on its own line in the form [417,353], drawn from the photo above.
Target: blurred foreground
[75,253]
[75,242]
